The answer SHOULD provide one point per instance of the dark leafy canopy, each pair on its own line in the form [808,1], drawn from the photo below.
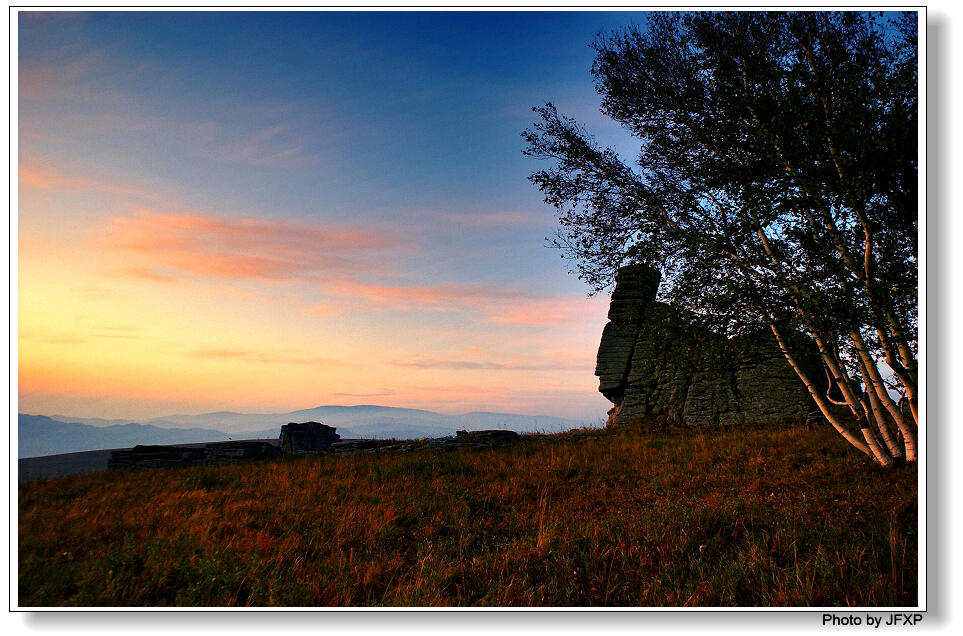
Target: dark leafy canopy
[776,172]
[775,186]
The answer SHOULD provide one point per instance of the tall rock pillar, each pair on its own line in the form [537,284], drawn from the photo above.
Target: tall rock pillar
[635,290]
[659,367]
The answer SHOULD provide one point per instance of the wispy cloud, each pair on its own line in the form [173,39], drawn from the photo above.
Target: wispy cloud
[49,338]
[272,145]
[547,311]
[491,303]
[263,357]
[119,333]
[338,260]
[43,178]
[439,297]
[491,219]
[325,309]
[147,274]
[236,248]
[490,365]
[59,80]
[365,395]
[79,335]
[474,358]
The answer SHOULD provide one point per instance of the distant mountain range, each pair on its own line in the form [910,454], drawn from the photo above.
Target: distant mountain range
[40,435]
[56,434]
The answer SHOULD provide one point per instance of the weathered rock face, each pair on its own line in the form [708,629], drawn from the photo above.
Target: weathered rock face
[307,437]
[659,370]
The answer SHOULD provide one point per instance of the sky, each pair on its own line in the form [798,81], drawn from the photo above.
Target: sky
[262,212]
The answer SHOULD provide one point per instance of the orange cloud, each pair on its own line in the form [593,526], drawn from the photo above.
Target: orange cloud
[547,311]
[46,179]
[494,304]
[446,296]
[146,273]
[261,357]
[323,309]
[173,246]
[241,248]
[491,365]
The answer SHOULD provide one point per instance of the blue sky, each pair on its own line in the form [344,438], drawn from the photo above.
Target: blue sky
[247,185]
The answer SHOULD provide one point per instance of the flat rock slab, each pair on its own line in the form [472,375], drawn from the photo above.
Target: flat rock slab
[143,457]
[240,450]
[353,445]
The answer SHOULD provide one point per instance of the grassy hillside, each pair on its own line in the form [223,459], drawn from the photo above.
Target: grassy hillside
[783,518]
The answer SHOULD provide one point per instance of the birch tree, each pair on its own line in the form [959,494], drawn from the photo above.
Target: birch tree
[775,187]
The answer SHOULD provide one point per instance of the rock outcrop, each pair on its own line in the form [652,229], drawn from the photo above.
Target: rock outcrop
[300,438]
[658,369]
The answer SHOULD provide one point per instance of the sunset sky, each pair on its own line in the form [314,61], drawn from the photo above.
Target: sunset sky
[272,211]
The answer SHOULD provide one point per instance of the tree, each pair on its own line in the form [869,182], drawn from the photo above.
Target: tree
[775,187]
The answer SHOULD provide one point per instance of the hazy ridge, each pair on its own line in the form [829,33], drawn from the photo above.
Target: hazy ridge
[41,435]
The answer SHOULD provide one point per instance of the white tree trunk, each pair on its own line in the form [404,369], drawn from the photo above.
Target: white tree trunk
[880,454]
[877,389]
[823,405]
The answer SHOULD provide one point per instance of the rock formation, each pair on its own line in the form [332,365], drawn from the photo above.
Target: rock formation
[658,369]
[307,437]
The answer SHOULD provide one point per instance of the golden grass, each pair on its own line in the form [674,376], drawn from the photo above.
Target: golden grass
[765,518]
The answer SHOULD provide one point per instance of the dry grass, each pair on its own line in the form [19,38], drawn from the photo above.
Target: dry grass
[780,518]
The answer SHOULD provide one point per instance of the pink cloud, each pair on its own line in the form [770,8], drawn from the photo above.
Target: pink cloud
[445,296]
[547,311]
[278,144]
[460,364]
[62,80]
[37,83]
[500,305]
[265,357]
[148,274]
[166,246]
[33,176]
[242,248]
[323,309]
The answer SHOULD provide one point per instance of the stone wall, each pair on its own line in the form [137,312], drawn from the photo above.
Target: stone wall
[658,369]
[152,456]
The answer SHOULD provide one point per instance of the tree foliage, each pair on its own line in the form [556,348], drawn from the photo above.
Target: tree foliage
[775,186]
